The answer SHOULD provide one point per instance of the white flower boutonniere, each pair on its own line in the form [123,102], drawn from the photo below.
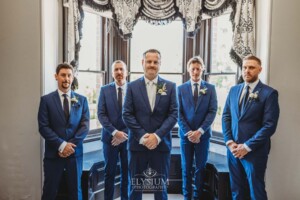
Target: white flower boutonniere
[74,100]
[202,91]
[253,96]
[161,89]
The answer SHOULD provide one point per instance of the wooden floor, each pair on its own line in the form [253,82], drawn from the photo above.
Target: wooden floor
[170,197]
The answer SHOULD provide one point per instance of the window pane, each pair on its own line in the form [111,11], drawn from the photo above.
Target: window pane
[174,78]
[89,86]
[223,84]
[90,51]
[168,39]
[221,45]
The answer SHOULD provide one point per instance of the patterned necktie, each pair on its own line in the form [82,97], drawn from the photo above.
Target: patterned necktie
[66,107]
[120,98]
[195,93]
[245,99]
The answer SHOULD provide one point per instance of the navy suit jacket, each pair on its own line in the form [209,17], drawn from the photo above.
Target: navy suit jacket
[140,120]
[109,114]
[54,127]
[191,117]
[257,123]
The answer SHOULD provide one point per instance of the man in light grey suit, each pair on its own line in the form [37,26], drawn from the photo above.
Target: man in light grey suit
[150,113]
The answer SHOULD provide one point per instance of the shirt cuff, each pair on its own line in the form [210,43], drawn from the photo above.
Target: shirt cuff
[201,131]
[114,132]
[228,142]
[141,140]
[247,148]
[187,133]
[62,146]
[158,138]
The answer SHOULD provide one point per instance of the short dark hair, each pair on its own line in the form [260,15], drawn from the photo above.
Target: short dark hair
[196,59]
[64,65]
[151,51]
[116,62]
[252,57]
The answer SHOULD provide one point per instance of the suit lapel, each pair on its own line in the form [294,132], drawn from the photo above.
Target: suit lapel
[58,104]
[74,105]
[249,103]
[143,90]
[200,97]
[113,93]
[238,96]
[190,96]
[157,97]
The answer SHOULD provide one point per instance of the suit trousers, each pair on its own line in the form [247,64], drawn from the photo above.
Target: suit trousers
[53,173]
[149,170]
[191,152]
[247,174]
[111,156]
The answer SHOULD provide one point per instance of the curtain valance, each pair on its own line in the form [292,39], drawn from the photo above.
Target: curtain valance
[126,13]
[158,12]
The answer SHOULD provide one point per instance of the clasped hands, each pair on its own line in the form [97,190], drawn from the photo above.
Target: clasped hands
[118,138]
[237,150]
[194,136]
[150,141]
[68,150]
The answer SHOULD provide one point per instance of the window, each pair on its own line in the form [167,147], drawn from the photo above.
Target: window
[90,75]
[168,39]
[221,70]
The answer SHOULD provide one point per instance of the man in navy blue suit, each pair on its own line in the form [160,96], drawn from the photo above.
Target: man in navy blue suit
[197,102]
[114,132]
[63,122]
[250,118]
[150,113]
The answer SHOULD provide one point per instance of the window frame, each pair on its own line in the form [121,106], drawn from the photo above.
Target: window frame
[217,137]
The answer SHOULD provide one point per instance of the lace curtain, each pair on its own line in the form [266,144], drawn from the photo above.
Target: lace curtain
[126,13]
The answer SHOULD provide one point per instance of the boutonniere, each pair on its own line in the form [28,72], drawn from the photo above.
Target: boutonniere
[74,100]
[161,89]
[203,91]
[253,96]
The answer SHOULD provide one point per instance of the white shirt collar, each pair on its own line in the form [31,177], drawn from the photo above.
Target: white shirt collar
[199,82]
[61,93]
[251,85]
[154,80]
[123,86]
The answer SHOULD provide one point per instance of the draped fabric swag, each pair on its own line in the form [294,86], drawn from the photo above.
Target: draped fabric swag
[126,13]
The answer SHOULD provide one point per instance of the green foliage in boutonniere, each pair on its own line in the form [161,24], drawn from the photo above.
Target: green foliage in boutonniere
[161,89]
[203,91]
[74,100]
[253,96]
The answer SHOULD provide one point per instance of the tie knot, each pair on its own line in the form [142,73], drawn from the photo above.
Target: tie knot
[196,84]
[247,87]
[119,89]
[150,83]
[65,95]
